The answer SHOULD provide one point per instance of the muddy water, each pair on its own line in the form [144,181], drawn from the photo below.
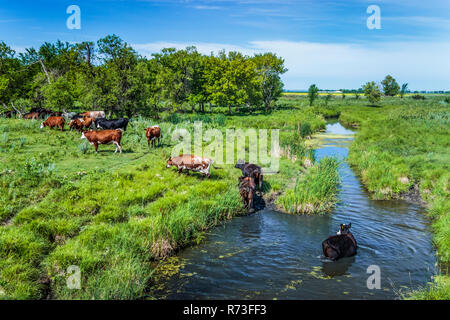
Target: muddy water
[271,255]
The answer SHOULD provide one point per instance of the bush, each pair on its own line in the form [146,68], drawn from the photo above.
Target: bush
[418,97]
[305,130]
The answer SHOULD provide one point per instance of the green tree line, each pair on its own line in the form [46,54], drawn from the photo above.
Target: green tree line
[110,75]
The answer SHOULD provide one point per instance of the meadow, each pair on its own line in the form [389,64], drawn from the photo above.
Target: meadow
[115,215]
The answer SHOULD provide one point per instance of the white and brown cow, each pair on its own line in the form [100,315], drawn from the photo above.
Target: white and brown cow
[153,134]
[94,114]
[189,162]
[103,137]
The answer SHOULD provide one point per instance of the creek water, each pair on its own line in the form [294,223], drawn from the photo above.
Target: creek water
[272,255]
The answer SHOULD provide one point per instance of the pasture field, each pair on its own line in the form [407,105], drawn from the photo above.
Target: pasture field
[114,215]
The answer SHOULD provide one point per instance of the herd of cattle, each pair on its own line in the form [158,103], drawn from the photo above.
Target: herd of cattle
[87,124]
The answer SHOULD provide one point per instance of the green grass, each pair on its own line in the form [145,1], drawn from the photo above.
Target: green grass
[405,143]
[315,191]
[112,215]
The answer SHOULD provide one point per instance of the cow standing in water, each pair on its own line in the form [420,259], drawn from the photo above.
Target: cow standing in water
[153,133]
[189,162]
[341,245]
[103,137]
[247,190]
[251,170]
[54,122]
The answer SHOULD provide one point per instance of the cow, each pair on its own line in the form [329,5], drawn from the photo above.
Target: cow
[31,115]
[341,245]
[120,123]
[54,122]
[71,115]
[81,123]
[251,170]
[153,133]
[76,124]
[103,137]
[189,162]
[94,114]
[247,190]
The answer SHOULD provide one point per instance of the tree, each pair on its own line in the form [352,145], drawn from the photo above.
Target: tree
[403,90]
[269,68]
[390,86]
[313,93]
[372,92]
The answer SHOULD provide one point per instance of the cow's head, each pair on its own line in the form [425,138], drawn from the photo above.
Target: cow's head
[169,163]
[240,164]
[82,135]
[344,229]
[42,125]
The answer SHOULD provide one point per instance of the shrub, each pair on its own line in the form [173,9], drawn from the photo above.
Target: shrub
[305,130]
[418,97]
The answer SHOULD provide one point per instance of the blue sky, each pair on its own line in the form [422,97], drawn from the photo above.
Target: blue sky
[323,42]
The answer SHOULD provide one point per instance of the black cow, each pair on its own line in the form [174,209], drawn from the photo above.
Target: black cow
[251,170]
[341,245]
[120,123]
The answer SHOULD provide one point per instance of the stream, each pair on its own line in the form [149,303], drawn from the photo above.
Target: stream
[272,255]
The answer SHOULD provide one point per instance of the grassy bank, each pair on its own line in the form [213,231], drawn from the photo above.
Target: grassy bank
[402,151]
[112,215]
[315,191]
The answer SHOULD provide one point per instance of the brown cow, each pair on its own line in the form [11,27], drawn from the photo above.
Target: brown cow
[31,115]
[94,114]
[76,124]
[153,133]
[103,137]
[54,122]
[190,162]
[81,123]
[247,190]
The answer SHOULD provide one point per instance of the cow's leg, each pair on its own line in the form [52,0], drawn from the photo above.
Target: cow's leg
[148,142]
[96,147]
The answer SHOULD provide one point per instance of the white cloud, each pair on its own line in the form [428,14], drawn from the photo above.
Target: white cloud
[424,65]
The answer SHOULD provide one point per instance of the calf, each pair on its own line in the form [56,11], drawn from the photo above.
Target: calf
[341,245]
[190,162]
[103,137]
[54,122]
[247,190]
[153,133]
[81,123]
[120,123]
[94,114]
[251,170]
